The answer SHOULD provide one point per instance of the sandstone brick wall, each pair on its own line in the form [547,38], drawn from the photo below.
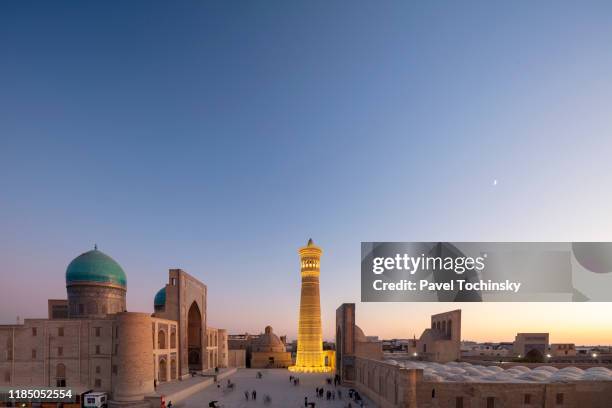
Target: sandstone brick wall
[223,348]
[31,353]
[262,359]
[135,370]
[385,384]
[236,358]
[165,349]
[390,386]
[94,301]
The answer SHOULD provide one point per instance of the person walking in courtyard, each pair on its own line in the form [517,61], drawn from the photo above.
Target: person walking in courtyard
[254,395]
[246,394]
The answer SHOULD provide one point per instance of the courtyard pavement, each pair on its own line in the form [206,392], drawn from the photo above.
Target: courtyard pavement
[275,383]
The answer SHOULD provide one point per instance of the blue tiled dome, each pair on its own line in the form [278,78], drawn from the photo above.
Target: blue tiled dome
[97,267]
[160,298]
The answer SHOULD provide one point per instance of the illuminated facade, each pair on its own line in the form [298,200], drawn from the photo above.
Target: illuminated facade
[310,357]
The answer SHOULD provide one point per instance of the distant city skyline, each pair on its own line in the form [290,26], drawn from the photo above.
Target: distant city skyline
[219,137]
[566,322]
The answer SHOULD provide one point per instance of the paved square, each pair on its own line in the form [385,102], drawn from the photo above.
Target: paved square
[275,383]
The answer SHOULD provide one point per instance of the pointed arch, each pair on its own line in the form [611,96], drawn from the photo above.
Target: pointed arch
[194,337]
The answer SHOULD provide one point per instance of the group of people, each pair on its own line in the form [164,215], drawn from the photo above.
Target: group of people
[320,392]
[253,395]
[354,395]
[329,394]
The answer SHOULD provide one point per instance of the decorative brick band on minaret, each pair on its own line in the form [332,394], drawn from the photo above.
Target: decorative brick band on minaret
[310,334]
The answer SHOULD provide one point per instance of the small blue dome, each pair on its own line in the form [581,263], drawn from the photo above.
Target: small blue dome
[160,298]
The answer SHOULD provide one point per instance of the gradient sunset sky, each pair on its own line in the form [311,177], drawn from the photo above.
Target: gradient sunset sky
[218,137]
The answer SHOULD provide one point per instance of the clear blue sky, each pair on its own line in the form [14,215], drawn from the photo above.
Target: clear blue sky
[219,136]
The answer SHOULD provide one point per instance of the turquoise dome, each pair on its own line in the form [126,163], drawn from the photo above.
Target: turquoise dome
[95,266]
[160,297]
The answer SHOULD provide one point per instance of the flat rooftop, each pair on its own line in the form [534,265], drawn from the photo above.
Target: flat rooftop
[276,384]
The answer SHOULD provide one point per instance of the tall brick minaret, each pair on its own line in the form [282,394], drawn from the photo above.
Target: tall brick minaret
[310,334]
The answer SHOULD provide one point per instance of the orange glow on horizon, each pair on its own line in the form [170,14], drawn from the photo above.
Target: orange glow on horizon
[588,323]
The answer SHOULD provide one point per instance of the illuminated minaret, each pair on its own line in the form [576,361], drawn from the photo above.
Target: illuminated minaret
[310,335]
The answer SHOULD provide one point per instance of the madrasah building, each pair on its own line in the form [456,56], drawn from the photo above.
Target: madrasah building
[432,374]
[91,342]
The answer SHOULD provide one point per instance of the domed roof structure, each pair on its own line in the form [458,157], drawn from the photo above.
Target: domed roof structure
[268,342]
[95,267]
[359,334]
[160,298]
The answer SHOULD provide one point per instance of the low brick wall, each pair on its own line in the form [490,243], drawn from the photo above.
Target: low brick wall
[391,386]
